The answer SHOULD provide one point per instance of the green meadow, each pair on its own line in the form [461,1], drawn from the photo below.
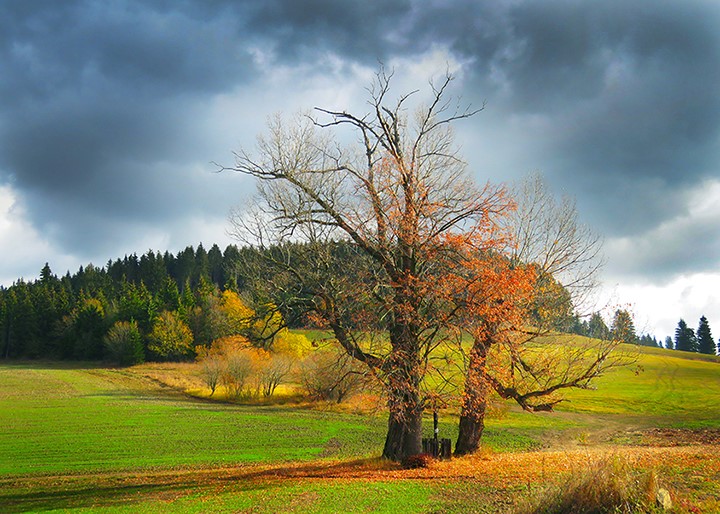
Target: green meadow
[663,388]
[109,440]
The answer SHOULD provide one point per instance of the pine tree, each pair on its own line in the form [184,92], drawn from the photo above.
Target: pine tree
[184,266]
[46,275]
[669,343]
[705,342]
[23,323]
[623,328]
[201,271]
[648,340]
[215,260]
[88,329]
[685,338]
[169,296]
[152,271]
[4,321]
[597,327]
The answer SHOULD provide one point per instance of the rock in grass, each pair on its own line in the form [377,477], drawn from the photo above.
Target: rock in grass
[663,499]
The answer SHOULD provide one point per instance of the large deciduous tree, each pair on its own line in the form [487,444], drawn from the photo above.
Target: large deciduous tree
[393,202]
[548,266]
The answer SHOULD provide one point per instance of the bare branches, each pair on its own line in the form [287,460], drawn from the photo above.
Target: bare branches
[391,206]
[552,366]
[393,237]
[548,234]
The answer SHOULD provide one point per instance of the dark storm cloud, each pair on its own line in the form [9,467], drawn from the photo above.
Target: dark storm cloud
[364,31]
[95,97]
[105,106]
[628,92]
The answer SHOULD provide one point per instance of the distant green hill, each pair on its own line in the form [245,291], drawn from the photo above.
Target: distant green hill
[673,388]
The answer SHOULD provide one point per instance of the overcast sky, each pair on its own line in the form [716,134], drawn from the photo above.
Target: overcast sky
[111,113]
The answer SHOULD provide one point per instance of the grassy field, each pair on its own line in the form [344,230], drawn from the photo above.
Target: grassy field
[664,388]
[88,439]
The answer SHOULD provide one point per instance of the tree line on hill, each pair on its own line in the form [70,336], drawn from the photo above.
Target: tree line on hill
[622,329]
[188,293]
[69,317]
[689,340]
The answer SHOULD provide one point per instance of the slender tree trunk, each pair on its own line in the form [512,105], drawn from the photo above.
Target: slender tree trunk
[472,415]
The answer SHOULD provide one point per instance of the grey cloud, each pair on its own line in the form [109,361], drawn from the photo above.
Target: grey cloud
[626,95]
[96,98]
[78,45]
[363,31]
[104,106]
[660,256]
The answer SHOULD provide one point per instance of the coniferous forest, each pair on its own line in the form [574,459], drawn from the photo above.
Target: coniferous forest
[70,317]
[188,298]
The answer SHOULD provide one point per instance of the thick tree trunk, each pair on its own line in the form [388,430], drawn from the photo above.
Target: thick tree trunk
[472,425]
[404,435]
[472,415]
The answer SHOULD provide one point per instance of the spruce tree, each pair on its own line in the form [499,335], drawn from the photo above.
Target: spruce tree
[597,327]
[623,328]
[705,342]
[685,338]
[46,275]
[669,343]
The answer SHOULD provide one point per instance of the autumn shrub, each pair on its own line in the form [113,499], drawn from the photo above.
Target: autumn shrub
[212,360]
[331,376]
[170,338]
[274,368]
[240,369]
[123,344]
[607,486]
[244,370]
[212,368]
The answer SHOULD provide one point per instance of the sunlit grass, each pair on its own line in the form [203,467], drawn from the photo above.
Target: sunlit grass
[75,420]
[76,437]
[665,385]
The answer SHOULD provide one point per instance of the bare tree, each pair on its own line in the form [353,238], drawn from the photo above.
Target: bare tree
[212,369]
[274,371]
[548,234]
[507,322]
[393,200]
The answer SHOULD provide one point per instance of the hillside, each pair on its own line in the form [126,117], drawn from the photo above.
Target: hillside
[77,436]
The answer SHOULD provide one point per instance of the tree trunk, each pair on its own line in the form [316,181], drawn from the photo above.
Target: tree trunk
[472,425]
[472,415]
[404,435]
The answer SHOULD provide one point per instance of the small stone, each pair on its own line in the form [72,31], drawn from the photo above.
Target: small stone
[663,499]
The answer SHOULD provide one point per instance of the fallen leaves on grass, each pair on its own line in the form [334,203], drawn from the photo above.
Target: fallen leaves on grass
[502,471]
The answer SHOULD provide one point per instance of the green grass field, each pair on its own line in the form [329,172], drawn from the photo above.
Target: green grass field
[666,388]
[89,439]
